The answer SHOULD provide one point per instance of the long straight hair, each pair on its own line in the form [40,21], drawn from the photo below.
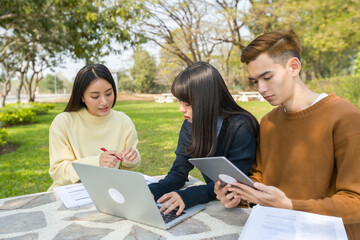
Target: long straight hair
[202,86]
[84,77]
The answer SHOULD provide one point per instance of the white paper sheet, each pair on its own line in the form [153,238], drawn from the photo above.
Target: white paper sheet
[150,179]
[282,224]
[75,195]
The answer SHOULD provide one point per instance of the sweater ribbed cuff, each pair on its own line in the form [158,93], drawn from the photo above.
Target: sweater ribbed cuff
[156,190]
[301,205]
[189,197]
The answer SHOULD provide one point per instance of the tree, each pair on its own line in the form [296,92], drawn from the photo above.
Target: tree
[169,67]
[326,29]
[125,83]
[143,72]
[356,70]
[232,14]
[49,83]
[47,30]
[181,28]
[5,82]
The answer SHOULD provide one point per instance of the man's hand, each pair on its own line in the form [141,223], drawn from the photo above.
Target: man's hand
[224,196]
[262,194]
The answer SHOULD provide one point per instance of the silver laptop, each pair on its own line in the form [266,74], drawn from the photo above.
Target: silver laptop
[220,168]
[125,194]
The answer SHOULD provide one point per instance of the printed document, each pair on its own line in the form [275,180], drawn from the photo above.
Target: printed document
[75,195]
[283,224]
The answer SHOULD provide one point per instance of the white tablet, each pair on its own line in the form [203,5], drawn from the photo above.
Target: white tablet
[220,168]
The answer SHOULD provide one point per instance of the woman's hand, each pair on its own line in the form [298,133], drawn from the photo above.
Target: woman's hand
[129,154]
[226,198]
[108,159]
[173,200]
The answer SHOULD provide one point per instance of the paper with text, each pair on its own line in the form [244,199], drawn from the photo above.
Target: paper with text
[283,224]
[75,195]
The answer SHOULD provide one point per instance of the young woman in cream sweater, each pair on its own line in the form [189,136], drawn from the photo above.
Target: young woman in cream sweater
[88,124]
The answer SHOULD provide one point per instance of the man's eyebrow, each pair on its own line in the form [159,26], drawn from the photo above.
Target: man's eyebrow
[261,75]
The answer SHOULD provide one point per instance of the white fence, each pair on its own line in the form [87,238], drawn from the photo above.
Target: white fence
[244,96]
[241,97]
[165,98]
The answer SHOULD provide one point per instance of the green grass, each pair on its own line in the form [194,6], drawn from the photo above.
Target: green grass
[25,170]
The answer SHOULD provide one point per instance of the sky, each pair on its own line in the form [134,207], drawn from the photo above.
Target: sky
[114,62]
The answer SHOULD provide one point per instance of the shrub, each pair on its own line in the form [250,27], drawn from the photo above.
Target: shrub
[347,87]
[16,115]
[39,108]
[3,137]
[13,114]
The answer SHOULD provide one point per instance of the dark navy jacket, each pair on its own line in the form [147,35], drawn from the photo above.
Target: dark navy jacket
[235,142]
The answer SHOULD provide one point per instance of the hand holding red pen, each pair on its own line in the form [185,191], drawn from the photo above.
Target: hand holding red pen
[109,158]
[105,150]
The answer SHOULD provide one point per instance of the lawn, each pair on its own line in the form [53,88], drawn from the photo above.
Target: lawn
[25,170]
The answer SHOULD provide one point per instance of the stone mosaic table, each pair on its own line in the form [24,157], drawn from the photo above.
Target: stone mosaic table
[43,216]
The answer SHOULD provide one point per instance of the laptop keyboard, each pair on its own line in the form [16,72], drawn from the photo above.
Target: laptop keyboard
[171,215]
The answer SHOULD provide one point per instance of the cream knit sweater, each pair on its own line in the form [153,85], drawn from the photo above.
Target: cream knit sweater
[78,137]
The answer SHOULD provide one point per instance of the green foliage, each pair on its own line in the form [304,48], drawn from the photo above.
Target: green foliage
[328,31]
[357,65]
[347,87]
[38,34]
[3,136]
[39,108]
[125,83]
[82,29]
[169,67]
[143,72]
[25,170]
[13,114]
[47,85]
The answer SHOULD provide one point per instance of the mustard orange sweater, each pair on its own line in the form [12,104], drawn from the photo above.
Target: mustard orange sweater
[314,157]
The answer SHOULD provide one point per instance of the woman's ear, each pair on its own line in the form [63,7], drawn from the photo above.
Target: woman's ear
[294,65]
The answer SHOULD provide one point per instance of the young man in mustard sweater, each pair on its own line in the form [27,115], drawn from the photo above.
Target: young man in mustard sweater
[308,156]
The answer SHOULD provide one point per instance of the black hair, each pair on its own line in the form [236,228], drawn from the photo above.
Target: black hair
[84,77]
[202,86]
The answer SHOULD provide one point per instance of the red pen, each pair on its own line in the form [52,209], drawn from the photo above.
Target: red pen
[105,150]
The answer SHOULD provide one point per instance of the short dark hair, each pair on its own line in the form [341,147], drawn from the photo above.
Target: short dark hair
[280,46]
[84,77]
[202,86]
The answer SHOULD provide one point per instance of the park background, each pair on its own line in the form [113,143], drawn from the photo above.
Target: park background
[146,43]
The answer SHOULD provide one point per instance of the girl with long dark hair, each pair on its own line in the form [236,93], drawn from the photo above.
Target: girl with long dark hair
[88,124]
[214,125]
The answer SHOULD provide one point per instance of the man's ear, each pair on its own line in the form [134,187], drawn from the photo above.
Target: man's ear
[294,66]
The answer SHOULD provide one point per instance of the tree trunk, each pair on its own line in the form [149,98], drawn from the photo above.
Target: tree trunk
[244,79]
[18,90]
[3,100]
